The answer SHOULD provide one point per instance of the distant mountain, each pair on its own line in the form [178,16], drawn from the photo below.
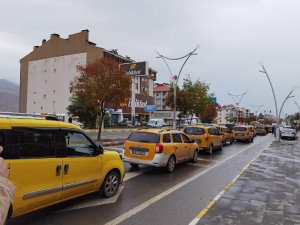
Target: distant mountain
[9,96]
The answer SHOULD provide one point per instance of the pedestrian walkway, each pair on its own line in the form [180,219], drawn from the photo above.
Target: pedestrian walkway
[267,192]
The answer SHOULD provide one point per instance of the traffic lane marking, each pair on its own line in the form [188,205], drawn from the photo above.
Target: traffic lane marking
[220,194]
[162,195]
[97,201]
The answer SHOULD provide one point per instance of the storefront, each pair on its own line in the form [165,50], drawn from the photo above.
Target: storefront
[124,110]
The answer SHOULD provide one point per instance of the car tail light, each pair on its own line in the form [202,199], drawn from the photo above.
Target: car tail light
[159,148]
[206,136]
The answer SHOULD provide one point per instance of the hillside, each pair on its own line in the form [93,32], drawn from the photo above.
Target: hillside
[9,96]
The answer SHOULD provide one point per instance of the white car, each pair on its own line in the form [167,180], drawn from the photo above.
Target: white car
[156,123]
[288,132]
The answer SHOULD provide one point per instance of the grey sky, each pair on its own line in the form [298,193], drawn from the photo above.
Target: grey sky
[234,35]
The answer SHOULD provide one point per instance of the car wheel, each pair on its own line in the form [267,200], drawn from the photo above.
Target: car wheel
[134,165]
[171,164]
[111,184]
[195,156]
[211,149]
[221,146]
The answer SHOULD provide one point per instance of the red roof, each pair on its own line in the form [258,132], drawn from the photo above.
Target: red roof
[162,87]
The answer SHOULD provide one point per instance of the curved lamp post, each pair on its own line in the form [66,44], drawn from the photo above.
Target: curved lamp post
[241,96]
[164,58]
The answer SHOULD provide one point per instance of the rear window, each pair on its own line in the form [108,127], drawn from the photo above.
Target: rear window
[144,137]
[194,131]
[240,129]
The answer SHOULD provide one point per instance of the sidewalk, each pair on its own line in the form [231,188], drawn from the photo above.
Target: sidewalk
[267,192]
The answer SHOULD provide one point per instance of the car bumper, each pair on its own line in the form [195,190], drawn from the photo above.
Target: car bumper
[159,160]
[288,135]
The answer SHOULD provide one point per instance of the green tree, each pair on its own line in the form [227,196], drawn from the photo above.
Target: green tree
[102,84]
[85,114]
[210,113]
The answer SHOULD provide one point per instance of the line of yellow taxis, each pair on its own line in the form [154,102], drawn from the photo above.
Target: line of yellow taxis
[51,161]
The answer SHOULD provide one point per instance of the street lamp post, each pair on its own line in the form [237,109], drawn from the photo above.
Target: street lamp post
[264,71]
[237,103]
[164,58]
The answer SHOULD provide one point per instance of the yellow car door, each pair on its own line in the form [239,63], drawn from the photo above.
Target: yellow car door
[82,165]
[189,151]
[179,146]
[35,170]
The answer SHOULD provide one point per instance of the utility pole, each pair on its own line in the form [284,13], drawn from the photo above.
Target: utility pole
[176,77]
[237,103]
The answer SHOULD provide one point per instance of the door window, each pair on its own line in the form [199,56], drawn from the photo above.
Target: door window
[185,138]
[167,138]
[176,138]
[34,143]
[78,145]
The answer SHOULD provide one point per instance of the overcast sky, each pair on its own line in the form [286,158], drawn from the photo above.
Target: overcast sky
[233,37]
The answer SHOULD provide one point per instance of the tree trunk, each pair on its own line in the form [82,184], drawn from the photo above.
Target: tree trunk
[100,126]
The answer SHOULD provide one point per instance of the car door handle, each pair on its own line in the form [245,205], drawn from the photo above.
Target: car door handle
[58,170]
[66,169]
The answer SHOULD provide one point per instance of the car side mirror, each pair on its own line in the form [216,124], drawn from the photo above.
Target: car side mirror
[99,149]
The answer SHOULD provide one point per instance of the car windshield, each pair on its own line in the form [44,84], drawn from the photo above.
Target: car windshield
[194,130]
[239,128]
[144,137]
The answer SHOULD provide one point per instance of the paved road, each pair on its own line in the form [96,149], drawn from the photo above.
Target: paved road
[152,196]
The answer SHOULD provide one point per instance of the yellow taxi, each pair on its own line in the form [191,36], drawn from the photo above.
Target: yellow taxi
[261,129]
[52,161]
[226,134]
[242,133]
[159,148]
[207,137]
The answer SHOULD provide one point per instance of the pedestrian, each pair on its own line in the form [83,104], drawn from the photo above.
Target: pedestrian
[7,190]
[70,119]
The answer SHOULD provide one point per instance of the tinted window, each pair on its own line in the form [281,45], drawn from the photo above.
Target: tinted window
[211,131]
[33,143]
[167,138]
[194,131]
[3,144]
[78,145]
[185,138]
[176,138]
[144,137]
[240,129]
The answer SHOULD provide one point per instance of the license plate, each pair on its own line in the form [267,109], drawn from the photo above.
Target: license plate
[137,152]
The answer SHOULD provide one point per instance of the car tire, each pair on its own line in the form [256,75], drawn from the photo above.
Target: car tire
[221,146]
[134,165]
[210,149]
[195,156]
[110,184]
[171,164]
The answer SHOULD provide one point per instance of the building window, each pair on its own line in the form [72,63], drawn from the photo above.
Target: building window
[53,102]
[34,92]
[46,81]
[54,91]
[45,71]
[34,103]
[54,70]
[42,108]
[45,95]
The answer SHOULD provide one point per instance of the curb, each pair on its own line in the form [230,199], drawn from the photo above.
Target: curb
[94,131]
[112,143]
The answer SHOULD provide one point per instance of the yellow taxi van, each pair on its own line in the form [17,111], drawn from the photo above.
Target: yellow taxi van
[226,134]
[52,161]
[207,137]
[159,148]
[242,133]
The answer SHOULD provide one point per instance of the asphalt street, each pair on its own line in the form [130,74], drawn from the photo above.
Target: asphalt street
[153,196]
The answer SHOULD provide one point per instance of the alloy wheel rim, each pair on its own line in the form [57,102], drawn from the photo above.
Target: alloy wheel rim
[111,184]
[171,164]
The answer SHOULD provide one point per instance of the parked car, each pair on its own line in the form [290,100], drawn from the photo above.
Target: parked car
[156,123]
[226,134]
[261,130]
[52,161]
[288,132]
[159,148]
[242,133]
[207,137]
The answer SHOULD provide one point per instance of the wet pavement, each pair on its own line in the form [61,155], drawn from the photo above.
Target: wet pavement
[267,192]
